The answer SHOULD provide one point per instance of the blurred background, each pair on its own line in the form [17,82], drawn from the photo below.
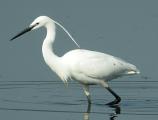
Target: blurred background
[126,29]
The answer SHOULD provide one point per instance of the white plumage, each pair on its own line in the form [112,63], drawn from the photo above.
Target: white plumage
[96,65]
[85,66]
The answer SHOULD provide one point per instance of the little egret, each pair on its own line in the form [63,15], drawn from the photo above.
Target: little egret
[85,66]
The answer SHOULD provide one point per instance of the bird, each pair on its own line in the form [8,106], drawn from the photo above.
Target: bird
[87,67]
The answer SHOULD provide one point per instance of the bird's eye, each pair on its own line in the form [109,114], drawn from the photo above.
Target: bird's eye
[37,23]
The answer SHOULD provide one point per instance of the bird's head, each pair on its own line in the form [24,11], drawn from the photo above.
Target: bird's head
[37,23]
[43,21]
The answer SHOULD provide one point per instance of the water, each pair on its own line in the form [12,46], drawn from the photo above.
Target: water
[45,100]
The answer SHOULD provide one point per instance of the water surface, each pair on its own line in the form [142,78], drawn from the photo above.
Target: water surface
[45,100]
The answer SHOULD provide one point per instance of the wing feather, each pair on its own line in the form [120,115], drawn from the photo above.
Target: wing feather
[97,65]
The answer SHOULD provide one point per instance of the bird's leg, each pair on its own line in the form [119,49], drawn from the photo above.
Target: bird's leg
[86,91]
[117,98]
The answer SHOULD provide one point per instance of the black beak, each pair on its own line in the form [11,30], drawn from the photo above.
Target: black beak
[23,32]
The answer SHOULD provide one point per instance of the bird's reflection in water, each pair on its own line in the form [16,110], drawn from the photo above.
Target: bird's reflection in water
[117,110]
[113,116]
[86,114]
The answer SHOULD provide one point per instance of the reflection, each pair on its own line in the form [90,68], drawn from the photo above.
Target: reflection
[86,114]
[113,116]
[117,110]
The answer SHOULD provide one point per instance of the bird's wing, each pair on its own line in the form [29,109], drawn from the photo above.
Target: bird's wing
[98,65]
[101,66]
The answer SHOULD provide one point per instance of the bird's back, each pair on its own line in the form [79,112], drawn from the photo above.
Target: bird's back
[97,65]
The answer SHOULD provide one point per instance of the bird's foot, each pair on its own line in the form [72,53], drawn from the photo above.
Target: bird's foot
[115,102]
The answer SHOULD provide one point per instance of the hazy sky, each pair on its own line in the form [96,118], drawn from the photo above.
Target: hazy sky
[127,29]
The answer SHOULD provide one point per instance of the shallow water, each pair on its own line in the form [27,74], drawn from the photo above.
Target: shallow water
[45,100]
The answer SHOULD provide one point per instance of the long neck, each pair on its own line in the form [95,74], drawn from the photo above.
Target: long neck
[52,60]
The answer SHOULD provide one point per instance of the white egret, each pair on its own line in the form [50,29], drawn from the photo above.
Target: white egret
[85,66]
